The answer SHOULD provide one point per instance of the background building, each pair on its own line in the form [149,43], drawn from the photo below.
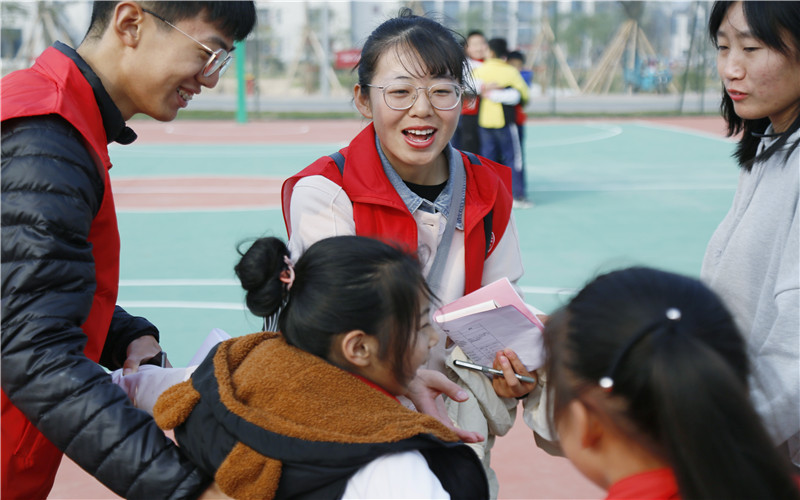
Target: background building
[308,48]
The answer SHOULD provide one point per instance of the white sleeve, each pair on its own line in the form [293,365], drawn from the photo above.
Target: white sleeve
[506,259]
[319,209]
[509,96]
[146,385]
[397,475]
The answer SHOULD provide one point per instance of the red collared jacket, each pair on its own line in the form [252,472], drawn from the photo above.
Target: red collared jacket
[379,211]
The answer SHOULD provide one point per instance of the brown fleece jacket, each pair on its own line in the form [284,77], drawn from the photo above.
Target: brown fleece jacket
[288,393]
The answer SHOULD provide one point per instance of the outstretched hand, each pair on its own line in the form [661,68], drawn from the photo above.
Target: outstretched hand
[426,390]
[509,386]
[139,351]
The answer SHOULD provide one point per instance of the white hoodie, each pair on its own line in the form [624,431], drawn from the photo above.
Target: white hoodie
[752,262]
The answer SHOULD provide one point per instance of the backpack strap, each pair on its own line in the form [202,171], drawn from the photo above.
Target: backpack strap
[473,158]
[338,158]
[487,231]
[488,218]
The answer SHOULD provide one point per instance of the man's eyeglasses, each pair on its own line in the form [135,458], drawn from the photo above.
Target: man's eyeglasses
[400,96]
[220,59]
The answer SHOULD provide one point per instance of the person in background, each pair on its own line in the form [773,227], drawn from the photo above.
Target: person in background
[60,244]
[502,88]
[466,137]
[517,59]
[647,375]
[401,180]
[312,411]
[753,259]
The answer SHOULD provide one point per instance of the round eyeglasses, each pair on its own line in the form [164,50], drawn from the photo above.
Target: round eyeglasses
[219,59]
[401,96]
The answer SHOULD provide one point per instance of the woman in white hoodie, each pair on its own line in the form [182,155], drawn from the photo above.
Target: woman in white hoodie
[752,260]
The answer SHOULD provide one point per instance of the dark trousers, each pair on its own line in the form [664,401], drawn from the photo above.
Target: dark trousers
[466,137]
[503,146]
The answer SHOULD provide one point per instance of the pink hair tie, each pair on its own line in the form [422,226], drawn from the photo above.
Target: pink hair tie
[287,275]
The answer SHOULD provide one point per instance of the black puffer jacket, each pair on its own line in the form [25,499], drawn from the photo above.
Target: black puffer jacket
[51,191]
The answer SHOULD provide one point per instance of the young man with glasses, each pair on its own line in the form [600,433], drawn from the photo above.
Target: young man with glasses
[60,243]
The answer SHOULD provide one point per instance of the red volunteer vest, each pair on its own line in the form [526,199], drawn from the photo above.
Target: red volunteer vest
[54,85]
[379,212]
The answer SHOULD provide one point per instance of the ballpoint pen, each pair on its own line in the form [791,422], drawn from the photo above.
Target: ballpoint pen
[493,371]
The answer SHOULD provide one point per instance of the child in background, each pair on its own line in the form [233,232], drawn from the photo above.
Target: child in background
[648,378]
[466,136]
[311,412]
[502,89]
[517,59]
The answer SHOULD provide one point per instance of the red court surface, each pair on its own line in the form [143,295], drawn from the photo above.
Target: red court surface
[320,131]
[206,193]
[524,471]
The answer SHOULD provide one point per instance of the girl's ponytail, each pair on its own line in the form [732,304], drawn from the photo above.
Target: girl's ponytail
[710,432]
[259,271]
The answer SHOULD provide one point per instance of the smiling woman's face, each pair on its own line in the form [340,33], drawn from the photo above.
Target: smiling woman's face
[413,139]
[761,81]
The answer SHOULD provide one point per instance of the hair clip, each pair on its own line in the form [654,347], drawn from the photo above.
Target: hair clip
[287,275]
[606,383]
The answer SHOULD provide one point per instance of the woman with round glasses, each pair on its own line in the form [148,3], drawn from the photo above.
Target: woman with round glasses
[401,181]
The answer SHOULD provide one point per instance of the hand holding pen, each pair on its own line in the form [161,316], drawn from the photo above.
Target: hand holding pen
[510,377]
[510,385]
[491,371]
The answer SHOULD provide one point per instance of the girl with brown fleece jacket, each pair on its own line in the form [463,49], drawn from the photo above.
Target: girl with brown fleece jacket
[311,412]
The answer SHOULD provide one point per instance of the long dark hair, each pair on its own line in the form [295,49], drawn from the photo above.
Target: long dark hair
[341,284]
[440,49]
[769,22]
[678,368]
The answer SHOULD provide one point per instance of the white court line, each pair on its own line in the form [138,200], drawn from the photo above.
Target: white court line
[181,304]
[232,282]
[219,306]
[122,189]
[599,187]
[211,132]
[179,282]
[226,209]
[176,150]
[547,290]
[608,131]
[202,176]
[166,153]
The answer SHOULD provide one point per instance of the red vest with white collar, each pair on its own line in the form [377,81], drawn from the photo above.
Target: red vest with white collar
[55,85]
[379,212]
